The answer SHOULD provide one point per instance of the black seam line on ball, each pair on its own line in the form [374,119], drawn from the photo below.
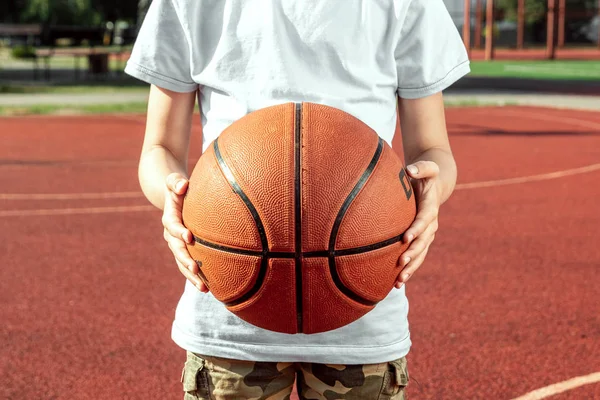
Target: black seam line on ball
[359,185]
[238,190]
[298,213]
[246,252]
[255,288]
[308,254]
[344,289]
[259,226]
[261,272]
[201,274]
[369,247]
[355,250]
[228,249]
[338,221]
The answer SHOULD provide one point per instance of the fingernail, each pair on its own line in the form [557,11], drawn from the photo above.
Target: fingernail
[413,169]
[179,185]
[410,237]
[406,260]
[400,286]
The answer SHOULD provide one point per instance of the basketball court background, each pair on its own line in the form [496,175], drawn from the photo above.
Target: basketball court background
[506,303]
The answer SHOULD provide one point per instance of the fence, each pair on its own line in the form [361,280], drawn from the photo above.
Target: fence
[562,29]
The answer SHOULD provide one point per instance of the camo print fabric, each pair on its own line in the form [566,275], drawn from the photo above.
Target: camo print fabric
[213,378]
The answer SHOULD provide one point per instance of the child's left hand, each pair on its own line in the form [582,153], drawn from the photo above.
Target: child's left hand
[421,233]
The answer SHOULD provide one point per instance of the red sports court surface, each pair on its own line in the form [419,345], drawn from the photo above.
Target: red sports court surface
[507,303]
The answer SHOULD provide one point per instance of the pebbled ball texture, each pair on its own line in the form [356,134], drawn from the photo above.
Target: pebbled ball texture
[298,212]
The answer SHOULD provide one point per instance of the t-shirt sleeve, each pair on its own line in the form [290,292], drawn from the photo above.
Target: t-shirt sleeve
[430,55]
[161,53]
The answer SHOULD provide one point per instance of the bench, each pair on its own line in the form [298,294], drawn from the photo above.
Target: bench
[98,59]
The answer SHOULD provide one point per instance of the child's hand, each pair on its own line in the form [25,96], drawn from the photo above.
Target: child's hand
[175,233]
[422,231]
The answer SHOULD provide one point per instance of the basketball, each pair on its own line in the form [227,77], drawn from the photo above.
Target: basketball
[298,213]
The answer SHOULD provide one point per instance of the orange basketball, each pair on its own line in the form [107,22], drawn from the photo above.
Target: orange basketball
[298,212]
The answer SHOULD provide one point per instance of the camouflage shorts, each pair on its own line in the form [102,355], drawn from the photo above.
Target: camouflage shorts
[213,378]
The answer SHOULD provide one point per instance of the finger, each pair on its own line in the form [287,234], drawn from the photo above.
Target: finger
[176,183]
[175,228]
[182,254]
[413,266]
[172,217]
[175,199]
[172,221]
[426,216]
[193,278]
[184,235]
[418,245]
[423,169]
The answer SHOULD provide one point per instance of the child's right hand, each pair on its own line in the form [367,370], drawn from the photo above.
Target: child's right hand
[175,233]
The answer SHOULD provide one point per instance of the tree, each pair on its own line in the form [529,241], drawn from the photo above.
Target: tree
[69,12]
[10,11]
[578,13]
[536,9]
[113,10]
[61,12]
[142,9]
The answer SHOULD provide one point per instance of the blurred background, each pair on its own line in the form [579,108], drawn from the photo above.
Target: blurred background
[77,49]
[506,306]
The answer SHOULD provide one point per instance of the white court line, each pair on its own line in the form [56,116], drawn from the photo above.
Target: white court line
[71,163]
[527,179]
[576,382]
[545,117]
[70,196]
[560,387]
[71,211]
[63,164]
[460,186]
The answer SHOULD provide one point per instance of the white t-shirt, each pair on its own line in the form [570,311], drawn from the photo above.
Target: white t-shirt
[244,55]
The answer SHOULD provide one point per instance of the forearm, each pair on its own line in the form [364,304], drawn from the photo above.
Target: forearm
[155,165]
[425,138]
[166,141]
[448,172]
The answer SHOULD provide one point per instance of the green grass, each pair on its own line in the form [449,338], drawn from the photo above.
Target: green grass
[476,103]
[64,61]
[568,70]
[70,62]
[78,109]
[46,109]
[87,87]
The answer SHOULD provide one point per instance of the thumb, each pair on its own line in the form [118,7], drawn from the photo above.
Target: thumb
[423,169]
[176,183]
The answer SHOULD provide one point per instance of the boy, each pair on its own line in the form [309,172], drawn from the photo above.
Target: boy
[359,56]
